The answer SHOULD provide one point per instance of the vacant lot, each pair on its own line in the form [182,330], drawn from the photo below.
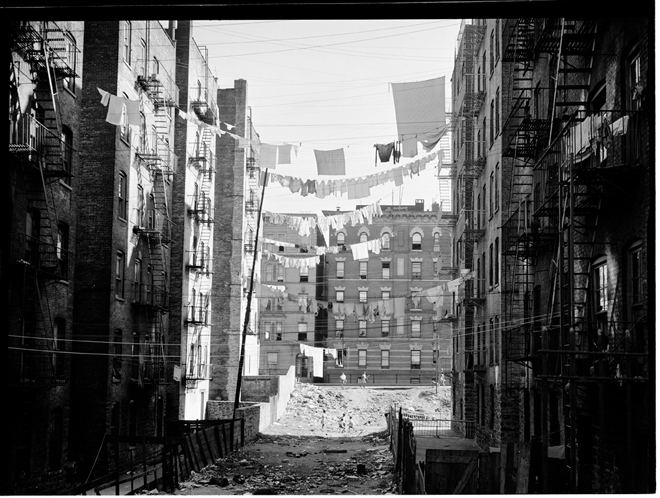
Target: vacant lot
[297,456]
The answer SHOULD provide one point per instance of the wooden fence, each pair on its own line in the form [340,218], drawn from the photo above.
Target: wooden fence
[195,445]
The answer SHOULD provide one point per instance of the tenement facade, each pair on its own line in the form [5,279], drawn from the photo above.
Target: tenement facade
[42,196]
[378,323]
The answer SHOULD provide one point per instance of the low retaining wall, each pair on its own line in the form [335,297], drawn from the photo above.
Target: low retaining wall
[264,400]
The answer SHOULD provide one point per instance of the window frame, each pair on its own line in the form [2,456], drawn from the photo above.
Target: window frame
[385,324]
[416,241]
[385,359]
[362,358]
[416,270]
[120,273]
[340,296]
[386,265]
[122,197]
[362,328]
[341,269]
[415,359]
[364,268]
[415,328]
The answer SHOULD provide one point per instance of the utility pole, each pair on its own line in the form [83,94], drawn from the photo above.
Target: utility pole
[248,306]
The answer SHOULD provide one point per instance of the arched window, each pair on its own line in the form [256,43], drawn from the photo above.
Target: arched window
[436,242]
[386,241]
[416,241]
[341,238]
[364,237]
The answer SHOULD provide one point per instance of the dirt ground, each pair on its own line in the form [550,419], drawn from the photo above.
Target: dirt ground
[297,455]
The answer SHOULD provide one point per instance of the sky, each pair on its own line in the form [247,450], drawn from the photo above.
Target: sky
[325,84]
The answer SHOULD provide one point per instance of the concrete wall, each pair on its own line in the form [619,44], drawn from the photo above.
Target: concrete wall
[258,413]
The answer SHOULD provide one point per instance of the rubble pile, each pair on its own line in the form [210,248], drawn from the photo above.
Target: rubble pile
[327,468]
[367,408]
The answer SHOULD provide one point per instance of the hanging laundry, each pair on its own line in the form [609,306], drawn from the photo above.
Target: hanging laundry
[419,107]
[431,139]
[398,176]
[284,154]
[330,162]
[384,152]
[360,251]
[268,156]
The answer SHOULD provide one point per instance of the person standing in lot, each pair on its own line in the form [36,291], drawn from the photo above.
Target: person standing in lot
[323,420]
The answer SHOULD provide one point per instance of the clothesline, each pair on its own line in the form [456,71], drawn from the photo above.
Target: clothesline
[385,308]
[354,188]
[321,250]
[305,224]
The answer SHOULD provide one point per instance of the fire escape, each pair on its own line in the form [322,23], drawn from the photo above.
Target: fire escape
[155,154]
[526,132]
[200,209]
[40,145]
[591,156]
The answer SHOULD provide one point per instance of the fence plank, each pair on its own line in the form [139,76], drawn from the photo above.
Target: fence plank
[522,476]
[466,478]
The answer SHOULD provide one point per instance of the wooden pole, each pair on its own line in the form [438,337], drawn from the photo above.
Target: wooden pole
[248,306]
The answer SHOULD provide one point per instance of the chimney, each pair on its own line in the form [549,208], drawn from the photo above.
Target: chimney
[171,29]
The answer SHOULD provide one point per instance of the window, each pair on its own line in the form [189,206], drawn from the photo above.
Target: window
[384,358]
[364,237]
[634,80]
[362,296]
[272,360]
[497,112]
[278,331]
[416,328]
[67,153]
[386,241]
[416,269]
[119,274]
[491,52]
[635,272]
[435,267]
[122,196]
[491,342]
[601,301]
[59,333]
[137,281]
[340,269]
[362,358]
[363,270]
[496,196]
[362,328]
[118,350]
[490,267]
[385,328]
[386,270]
[140,205]
[280,273]
[128,35]
[269,273]
[302,331]
[62,249]
[415,359]
[384,295]
[483,64]
[339,296]
[497,39]
[156,66]
[416,242]
[496,269]
[339,328]
[341,238]
[436,242]
[304,274]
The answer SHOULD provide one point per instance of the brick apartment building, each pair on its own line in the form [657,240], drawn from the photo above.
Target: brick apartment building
[193,214]
[236,205]
[415,256]
[482,180]
[287,317]
[554,118]
[42,198]
[123,243]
